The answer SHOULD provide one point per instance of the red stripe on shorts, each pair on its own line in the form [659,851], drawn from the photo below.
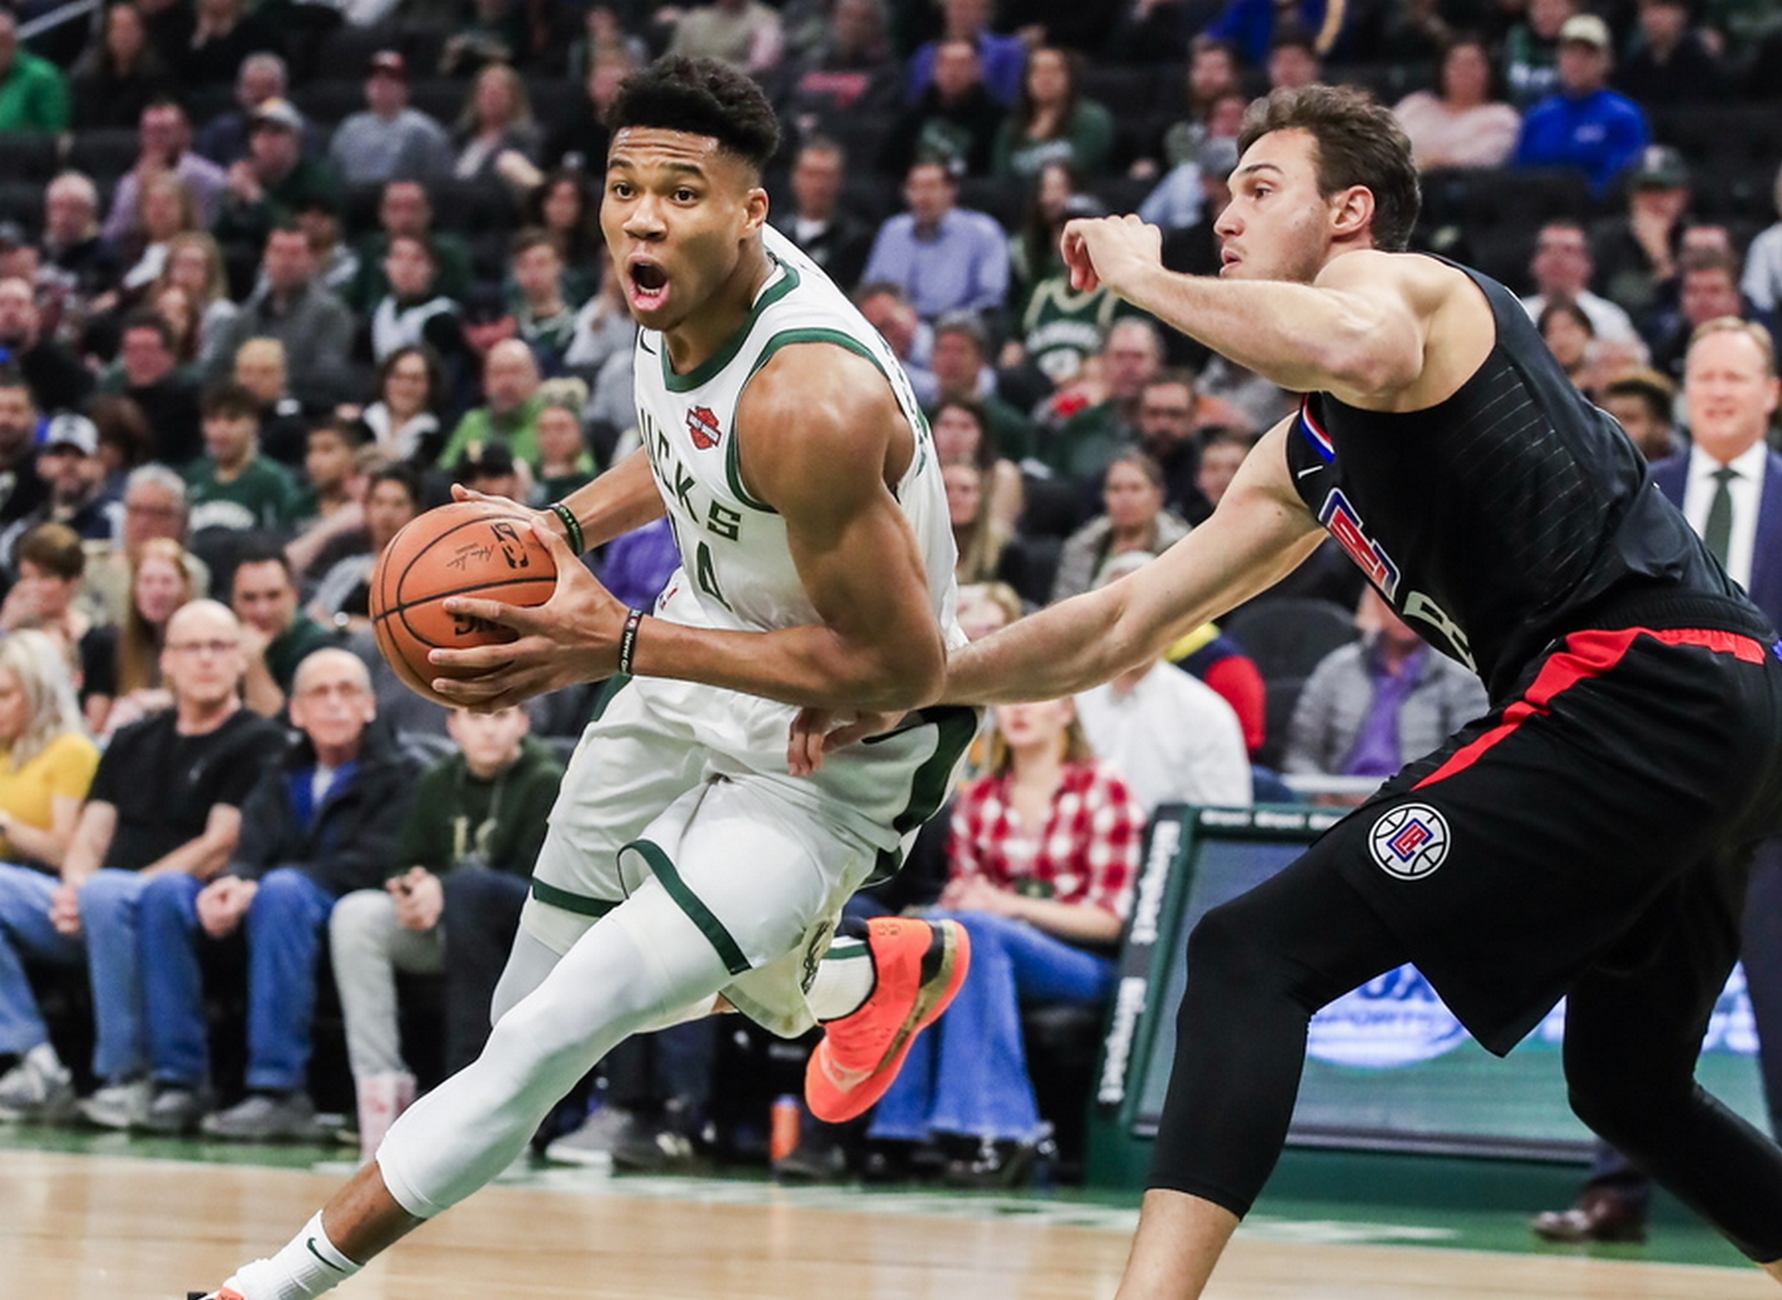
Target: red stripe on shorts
[1586,655]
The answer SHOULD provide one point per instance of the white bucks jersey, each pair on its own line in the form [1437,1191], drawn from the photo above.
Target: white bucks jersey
[736,569]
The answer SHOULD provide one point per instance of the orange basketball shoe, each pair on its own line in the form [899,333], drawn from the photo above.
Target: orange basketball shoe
[919,966]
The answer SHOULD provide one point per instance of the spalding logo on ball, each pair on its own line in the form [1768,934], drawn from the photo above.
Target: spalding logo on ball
[469,548]
[1409,841]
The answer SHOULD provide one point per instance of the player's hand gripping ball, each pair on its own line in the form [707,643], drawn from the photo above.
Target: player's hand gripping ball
[469,548]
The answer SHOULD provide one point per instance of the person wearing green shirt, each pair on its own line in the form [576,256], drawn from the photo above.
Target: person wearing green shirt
[450,907]
[275,636]
[232,485]
[509,415]
[1052,123]
[33,91]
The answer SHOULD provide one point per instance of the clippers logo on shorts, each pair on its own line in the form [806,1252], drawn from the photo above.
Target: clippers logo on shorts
[1345,525]
[703,428]
[1409,841]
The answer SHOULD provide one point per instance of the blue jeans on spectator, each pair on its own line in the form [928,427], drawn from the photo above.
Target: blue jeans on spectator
[26,932]
[283,929]
[108,922]
[967,1074]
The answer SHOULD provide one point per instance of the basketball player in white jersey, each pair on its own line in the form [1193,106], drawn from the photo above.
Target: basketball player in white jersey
[685,869]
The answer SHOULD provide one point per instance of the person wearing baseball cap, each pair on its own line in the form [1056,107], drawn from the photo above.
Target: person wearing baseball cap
[1636,251]
[1669,62]
[69,465]
[275,181]
[1583,124]
[389,140]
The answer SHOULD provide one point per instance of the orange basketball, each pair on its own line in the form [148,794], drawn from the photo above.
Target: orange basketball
[468,548]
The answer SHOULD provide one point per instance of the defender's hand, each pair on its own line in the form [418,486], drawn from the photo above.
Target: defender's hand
[1109,250]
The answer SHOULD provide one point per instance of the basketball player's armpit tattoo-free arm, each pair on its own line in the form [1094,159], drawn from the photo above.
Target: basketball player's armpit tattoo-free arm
[819,427]
[1259,534]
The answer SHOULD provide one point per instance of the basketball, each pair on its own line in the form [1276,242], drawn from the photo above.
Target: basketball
[469,548]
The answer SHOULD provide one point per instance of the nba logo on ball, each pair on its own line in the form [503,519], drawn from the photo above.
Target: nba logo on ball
[1409,841]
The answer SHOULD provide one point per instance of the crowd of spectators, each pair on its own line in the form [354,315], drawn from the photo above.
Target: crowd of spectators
[273,276]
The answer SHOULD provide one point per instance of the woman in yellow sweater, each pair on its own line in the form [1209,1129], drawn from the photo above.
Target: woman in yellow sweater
[46,765]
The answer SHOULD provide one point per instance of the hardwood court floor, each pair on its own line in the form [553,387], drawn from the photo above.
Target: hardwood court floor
[102,1227]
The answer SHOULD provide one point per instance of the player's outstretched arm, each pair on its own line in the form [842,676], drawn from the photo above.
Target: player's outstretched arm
[1358,331]
[1260,533]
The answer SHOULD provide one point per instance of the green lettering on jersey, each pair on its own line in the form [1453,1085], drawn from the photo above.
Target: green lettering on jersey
[683,488]
[723,521]
[706,575]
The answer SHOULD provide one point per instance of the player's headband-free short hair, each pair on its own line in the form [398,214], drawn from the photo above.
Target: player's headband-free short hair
[701,97]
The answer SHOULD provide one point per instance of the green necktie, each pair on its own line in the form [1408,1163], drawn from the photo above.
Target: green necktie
[1718,532]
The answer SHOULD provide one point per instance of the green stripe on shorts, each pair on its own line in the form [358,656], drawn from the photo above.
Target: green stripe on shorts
[689,902]
[580,904]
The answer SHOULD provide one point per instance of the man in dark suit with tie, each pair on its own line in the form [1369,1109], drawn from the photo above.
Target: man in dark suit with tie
[1729,486]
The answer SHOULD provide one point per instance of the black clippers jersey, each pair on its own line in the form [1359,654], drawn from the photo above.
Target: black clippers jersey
[1509,514]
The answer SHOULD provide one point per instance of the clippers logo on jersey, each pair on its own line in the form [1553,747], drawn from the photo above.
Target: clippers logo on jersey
[1345,525]
[703,428]
[1313,432]
[1409,841]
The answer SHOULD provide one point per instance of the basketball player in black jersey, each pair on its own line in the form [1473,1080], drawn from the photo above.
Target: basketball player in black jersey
[1588,838]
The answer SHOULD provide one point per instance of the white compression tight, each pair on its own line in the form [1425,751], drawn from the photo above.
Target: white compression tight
[643,966]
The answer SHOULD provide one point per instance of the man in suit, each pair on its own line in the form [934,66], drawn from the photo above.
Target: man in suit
[1729,486]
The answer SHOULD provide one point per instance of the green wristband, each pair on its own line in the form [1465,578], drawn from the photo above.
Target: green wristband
[571,525]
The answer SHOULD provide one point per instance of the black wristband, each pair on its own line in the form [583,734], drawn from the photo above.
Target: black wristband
[571,526]
[628,640]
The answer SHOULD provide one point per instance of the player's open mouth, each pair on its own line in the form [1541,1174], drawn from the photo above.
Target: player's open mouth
[649,285]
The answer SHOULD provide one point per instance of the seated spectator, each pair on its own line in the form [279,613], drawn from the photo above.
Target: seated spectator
[343,597]
[962,432]
[80,266]
[887,309]
[195,265]
[1569,336]
[414,313]
[1531,51]
[1762,281]
[1001,58]
[164,209]
[405,209]
[943,257]
[338,461]
[166,801]
[33,91]
[564,461]
[1562,268]
[154,501]
[1056,196]
[542,314]
[491,31]
[1584,124]
[1169,433]
[318,824]
[337,262]
[564,206]
[1083,447]
[1671,60]
[224,34]
[260,79]
[1133,520]
[1222,450]
[315,326]
[1376,704]
[149,374]
[1635,252]
[450,905]
[1294,57]
[1172,737]
[1642,402]
[1256,26]
[265,190]
[165,136]
[497,120]
[1052,122]
[509,415]
[22,489]
[954,121]
[232,486]
[830,235]
[284,432]
[389,139]
[852,68]
[578,139]
[1213,77]
[1041,861]
[118,74]
[404,417]
[275,635]
[745,33]
[68,462]
[959,360]
[984,544]
[1708,289]
[160,586]
[1463,122]
[50,561]
[125,443]
[46,766]
[59,381]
